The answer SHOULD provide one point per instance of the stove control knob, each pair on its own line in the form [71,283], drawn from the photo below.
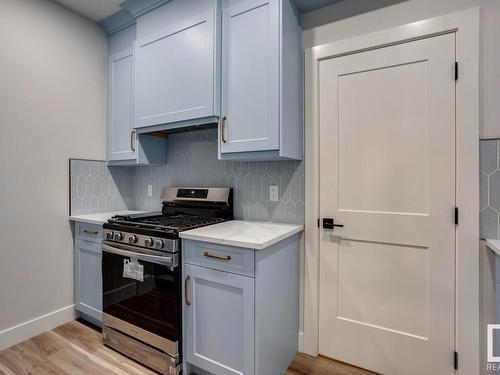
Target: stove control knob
[117,236]
[148,242]
[109,235]
[132,239]
[159,244]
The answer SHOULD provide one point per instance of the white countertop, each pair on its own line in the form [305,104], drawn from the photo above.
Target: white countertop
[102,217]
[494,245]
[249,234]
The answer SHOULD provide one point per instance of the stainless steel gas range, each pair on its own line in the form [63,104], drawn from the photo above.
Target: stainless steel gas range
[141,274]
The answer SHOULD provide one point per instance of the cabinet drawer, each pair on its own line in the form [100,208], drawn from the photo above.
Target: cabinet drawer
[225,258]
[88,232]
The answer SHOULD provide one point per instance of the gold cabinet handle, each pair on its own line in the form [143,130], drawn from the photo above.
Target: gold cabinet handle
[132,140]
[90,231]
[223,130]
[187,301]
[219,257]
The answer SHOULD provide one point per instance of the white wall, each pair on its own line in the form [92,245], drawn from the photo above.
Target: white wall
[52,107]
[320,30]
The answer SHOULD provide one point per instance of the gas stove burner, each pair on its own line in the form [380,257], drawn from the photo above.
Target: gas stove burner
[181,222]
[183,209]
[168,223]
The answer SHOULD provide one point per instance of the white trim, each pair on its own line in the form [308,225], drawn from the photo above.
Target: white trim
[466,26]
[24,331]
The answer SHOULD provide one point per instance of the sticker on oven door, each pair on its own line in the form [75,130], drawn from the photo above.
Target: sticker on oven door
[133,269]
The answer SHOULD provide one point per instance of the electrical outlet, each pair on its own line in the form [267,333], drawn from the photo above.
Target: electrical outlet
[274,194]
[150,190]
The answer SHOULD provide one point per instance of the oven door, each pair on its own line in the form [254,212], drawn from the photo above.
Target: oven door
[142,301]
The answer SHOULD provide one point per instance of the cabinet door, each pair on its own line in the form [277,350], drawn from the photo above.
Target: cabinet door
[250,77]
[88,280]
[174,73]
[219,322]
[121,137]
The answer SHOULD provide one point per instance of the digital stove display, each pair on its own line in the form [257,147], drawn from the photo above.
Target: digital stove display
[192,193]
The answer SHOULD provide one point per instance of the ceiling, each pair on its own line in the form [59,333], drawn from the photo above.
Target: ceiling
[96,10]
[99,9]
[308,5]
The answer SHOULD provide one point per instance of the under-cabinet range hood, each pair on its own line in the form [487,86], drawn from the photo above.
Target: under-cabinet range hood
[180,127]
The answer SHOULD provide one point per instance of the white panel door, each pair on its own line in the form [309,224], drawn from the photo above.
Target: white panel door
[250,76]
[387,173]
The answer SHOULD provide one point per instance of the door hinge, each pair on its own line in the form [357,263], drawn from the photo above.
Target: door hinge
[455,361]
[456,215]
[456,71]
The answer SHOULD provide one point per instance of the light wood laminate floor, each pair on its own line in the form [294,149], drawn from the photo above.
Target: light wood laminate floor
[76,349]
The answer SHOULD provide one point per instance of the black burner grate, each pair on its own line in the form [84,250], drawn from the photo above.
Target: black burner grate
[170,223]
[181,222]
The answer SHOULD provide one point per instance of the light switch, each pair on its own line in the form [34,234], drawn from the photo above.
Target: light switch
[150,190]
[274,194]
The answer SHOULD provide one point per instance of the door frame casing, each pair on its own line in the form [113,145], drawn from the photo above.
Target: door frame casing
[465,24]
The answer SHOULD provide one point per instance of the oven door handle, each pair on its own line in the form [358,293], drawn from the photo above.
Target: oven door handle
[163,260]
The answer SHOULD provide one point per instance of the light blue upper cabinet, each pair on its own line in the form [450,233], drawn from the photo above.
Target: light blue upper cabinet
[195,62]
[261,116]
[124,145]
[250,101]
[175,64]
[121,135]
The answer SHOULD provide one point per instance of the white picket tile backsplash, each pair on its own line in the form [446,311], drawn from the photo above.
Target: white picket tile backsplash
[191,161]
[490,189]
[97,188]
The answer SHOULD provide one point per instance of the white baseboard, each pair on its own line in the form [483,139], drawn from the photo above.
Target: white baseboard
[301,341]
[24,331]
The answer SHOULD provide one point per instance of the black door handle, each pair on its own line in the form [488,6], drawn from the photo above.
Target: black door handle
[328,223]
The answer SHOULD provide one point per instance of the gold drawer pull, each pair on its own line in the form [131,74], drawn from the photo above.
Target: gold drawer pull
[94,232]
[132,140]
[219,257]
[187,301]
[223,130]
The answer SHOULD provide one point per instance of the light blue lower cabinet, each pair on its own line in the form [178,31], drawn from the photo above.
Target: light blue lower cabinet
[220,321]
[88,281]
[235,323]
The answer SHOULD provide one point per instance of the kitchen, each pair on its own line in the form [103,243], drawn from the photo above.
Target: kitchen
[189,131]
